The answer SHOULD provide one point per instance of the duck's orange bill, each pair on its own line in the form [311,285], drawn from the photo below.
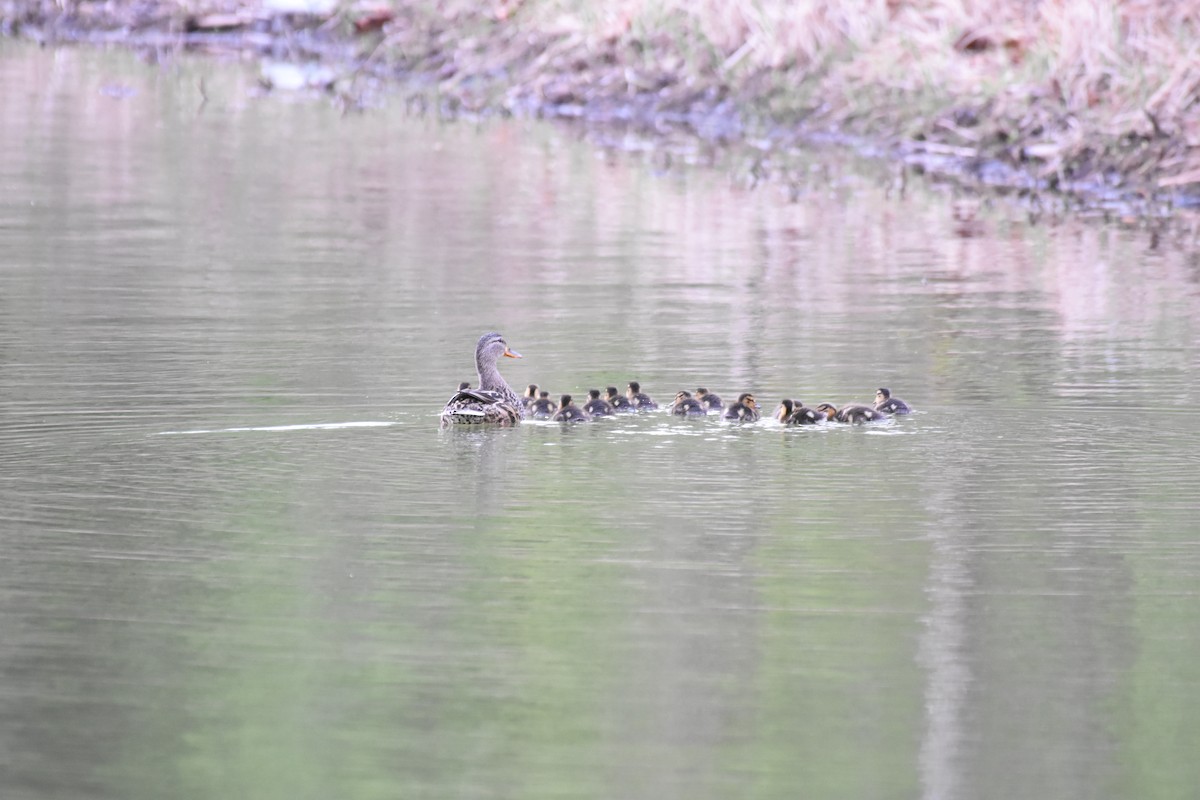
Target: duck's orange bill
[512,353]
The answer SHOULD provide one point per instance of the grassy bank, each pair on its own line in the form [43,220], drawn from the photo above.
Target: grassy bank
[1095,98]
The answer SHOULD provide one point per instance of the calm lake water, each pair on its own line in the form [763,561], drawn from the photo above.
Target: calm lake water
[240,559]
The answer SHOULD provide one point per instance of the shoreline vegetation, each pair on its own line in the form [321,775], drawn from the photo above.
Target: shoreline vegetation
[1095,103]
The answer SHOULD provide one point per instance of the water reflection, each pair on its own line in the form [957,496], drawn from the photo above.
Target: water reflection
[316,591]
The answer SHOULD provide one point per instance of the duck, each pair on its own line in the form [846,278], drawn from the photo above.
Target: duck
[543,407]
[744,410]
[597,406]
[687,406]
[494,402]
[531,394]
[569,412]
[794,412]
[620,404]
[638,399]
[710,401]
[890,405]
[854,414]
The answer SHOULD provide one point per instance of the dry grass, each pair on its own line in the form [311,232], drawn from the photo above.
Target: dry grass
[1066,79]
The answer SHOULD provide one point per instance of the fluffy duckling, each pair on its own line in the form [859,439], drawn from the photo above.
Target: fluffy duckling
[462,387]
[638,399]
[597,406]
[744,410]
[854,414]
[794,412]
[890,405]
[709,400]
[543,407]
[531,394]
[620,404]
[569,412]
[687,406]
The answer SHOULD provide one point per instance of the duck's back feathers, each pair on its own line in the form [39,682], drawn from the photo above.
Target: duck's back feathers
[803,415]
[597,406]
[687,406]
[569,412]
[710,401]
[477,407]
[639,399]
[890,405]
[620,404]
[543,407]
[857,414]
[744,410]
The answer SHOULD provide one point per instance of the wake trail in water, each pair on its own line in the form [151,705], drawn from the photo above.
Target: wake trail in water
[319,426]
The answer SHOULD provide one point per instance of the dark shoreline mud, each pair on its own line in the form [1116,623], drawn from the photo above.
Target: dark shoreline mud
[477,66]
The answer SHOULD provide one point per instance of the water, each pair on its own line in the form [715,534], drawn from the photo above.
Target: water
[241,559]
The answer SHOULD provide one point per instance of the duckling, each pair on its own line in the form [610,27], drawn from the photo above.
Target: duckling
[794,412]
[543,407]
[531,393]
[640,401]
[853,414]
[803,415]
[620,404]
[687,406]
[462,387]
[890,405]
[744,410]
[709,400]
[569,412]
[597,406]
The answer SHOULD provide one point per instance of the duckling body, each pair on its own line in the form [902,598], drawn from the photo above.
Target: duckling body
[794,412]
[710,401]
[744,410]
[803,415]
[638,399]
[494,402]
[569,412]
[852,414]
[687,406]
[543,407]
[890,405]
[597,406]
[620,404]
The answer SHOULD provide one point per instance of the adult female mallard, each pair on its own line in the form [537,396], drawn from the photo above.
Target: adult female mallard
[597,406]
[794,412]
[543,407]
[709,400]
[687,406]
[890,405]
[638,399]
[620,404]
[744,410]
[854,414]
[569,412]
[494,401]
